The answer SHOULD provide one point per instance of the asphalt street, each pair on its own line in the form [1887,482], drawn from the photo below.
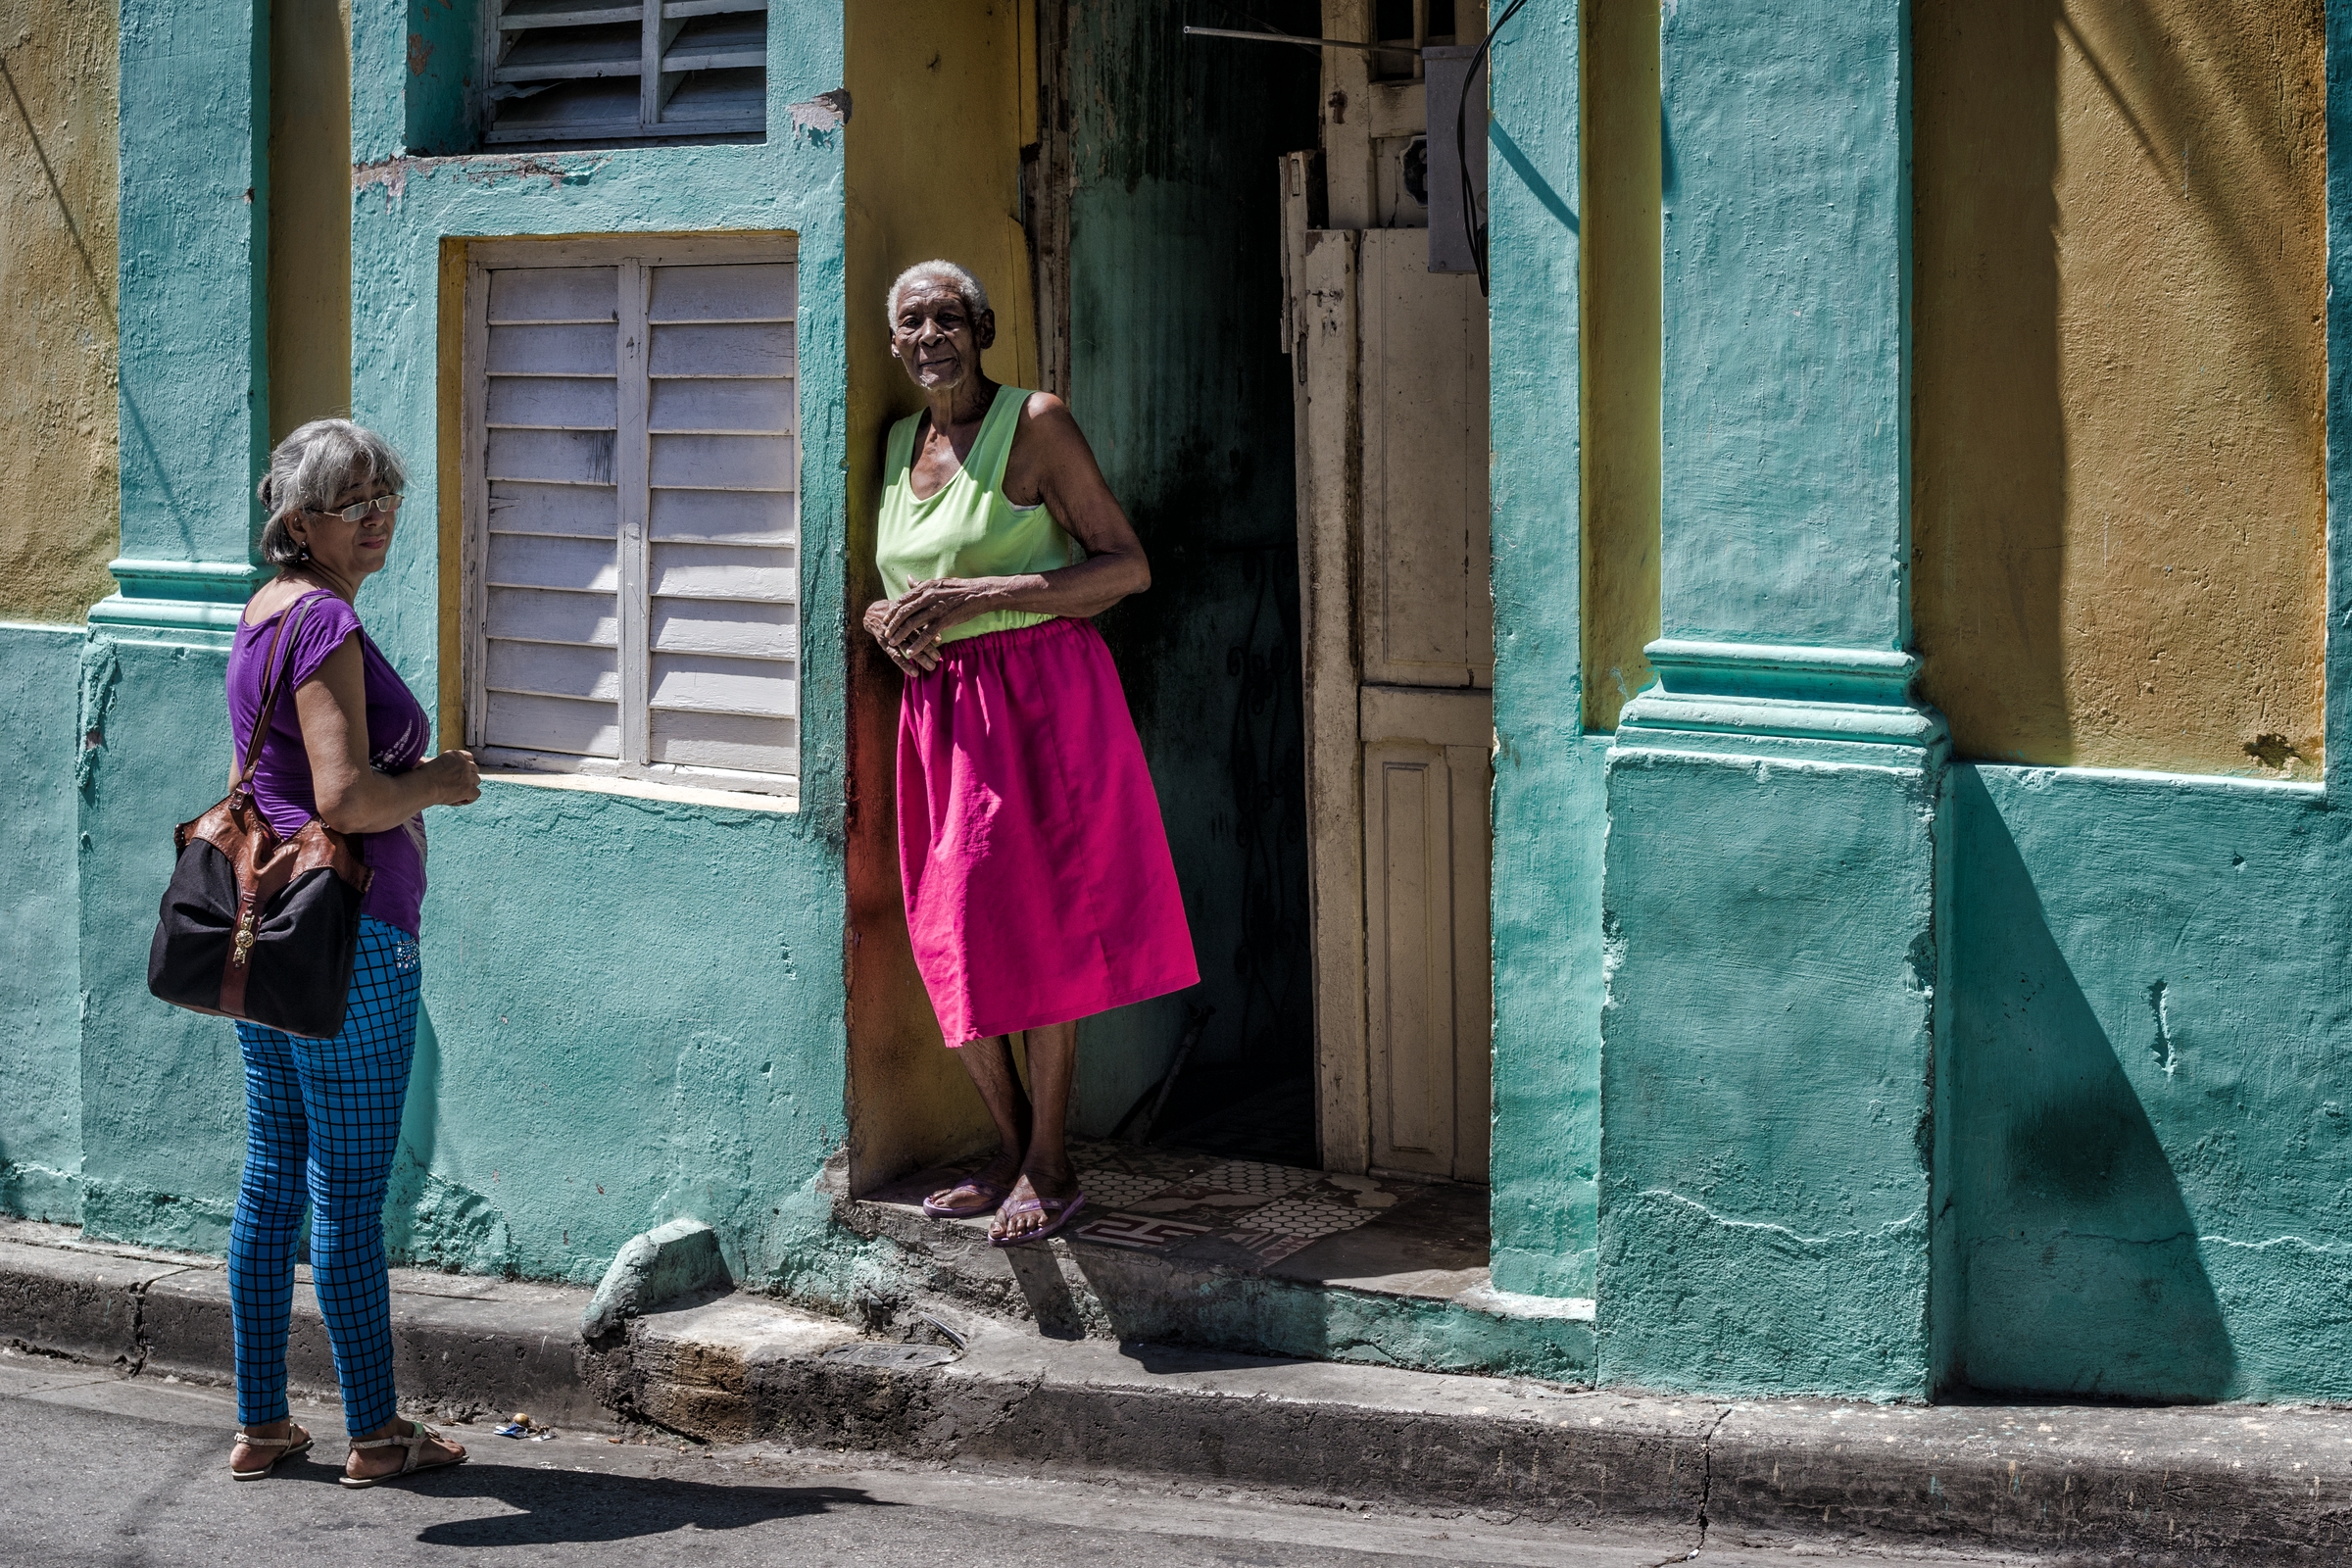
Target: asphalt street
[103,1470]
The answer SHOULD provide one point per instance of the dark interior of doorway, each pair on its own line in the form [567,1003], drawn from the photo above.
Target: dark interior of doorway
[1177,373]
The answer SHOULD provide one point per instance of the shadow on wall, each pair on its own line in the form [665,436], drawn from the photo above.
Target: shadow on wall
[1990,444]
[2084,1273]
[2119,235]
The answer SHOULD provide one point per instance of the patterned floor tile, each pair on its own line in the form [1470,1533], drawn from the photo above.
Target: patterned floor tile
[1137,1231]
[1253,1176]
[1117,1189]
[1308,1218]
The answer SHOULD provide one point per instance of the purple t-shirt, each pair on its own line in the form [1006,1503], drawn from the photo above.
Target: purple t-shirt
[397,729]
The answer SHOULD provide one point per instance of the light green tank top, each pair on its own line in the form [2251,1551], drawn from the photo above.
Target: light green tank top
[969,529]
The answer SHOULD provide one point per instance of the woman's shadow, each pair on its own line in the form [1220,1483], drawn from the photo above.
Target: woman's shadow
[567,1507]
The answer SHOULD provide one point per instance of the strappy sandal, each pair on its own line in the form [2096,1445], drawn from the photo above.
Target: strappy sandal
[293,1444]
[986,1196]
[414,1443]
[1058,1212]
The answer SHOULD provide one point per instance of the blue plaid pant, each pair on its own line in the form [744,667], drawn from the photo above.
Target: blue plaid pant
[322,1121]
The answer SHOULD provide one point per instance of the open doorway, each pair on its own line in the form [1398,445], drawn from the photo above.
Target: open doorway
[1288,386]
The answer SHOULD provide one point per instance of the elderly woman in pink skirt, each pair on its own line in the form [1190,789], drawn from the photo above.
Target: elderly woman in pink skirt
[1038,888]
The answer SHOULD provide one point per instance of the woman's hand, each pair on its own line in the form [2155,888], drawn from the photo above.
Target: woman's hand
[914,622]
[453,778]
[877,622]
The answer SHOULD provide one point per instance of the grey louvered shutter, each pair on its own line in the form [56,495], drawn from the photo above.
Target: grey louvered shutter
[636,572]
[595,70]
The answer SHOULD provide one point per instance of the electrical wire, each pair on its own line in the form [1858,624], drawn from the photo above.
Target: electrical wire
[1474,226]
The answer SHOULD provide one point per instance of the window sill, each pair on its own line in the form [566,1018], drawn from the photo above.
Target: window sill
[646,790]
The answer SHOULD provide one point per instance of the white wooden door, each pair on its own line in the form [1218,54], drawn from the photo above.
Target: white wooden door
[1398,633]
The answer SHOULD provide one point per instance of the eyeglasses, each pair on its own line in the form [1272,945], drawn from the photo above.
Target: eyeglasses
[359,511]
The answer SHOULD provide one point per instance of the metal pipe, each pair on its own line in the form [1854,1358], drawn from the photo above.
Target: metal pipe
[1307,43]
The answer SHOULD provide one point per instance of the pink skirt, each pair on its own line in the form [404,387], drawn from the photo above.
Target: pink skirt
[1039,887]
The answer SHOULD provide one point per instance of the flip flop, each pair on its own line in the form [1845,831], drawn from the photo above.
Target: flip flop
[414,1443]
[991,1195]
[294,1446]
[1061,1216]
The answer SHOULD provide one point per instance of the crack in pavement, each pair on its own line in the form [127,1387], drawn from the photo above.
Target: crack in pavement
[1706,1488]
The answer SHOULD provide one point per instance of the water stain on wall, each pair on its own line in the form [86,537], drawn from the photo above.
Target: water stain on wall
[2119,502]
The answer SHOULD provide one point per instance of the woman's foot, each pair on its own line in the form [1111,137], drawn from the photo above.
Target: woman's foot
[978,1193]
[1036,1202]
[263,1444]
[376,1463]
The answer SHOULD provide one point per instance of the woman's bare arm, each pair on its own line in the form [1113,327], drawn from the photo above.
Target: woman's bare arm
[1052,460]
[352,796]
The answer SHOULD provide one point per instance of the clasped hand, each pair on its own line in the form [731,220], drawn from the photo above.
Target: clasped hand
[908,628]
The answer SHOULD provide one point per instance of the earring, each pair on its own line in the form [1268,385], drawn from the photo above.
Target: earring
[305,555]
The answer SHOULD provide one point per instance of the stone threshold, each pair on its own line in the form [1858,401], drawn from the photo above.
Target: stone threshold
[1181,1247]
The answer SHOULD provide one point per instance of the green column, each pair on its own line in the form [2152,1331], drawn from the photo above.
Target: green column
[1769,1070]
[194,392]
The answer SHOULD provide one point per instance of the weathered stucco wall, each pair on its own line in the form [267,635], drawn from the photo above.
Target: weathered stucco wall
[40,957]
[914,193]
[310,211]
[1549,809]
[2121,253]
[1623,209]
[57,307]
[633,1005]
[2155,1142]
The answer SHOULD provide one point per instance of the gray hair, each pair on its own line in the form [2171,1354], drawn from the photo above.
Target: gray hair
[975,298]
[312,466]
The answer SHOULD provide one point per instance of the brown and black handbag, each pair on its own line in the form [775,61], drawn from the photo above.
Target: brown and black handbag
[253,927]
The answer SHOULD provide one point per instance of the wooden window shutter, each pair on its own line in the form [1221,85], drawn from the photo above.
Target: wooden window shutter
[597,71]
[633,513]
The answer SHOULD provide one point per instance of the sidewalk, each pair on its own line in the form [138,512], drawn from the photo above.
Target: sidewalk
[2214,1483]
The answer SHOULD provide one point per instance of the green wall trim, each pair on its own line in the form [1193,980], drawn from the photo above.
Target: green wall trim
[1549,810]
[1785,435]
[193,391]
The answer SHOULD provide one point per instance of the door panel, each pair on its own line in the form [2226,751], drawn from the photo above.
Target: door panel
[1390,404]
[1429,618]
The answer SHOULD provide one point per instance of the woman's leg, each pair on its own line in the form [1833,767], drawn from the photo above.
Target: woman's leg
[1045,1170]
[989,1063]
[261,1234]
[352,1089]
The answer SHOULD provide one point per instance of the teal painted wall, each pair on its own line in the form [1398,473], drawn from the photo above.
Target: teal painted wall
[40,948]
[1778,829]
[1548,810]
[667,1023]
[1179,380]
[163,1097]
[1785,460]
[631,994]
[194,388]
[2155,1155]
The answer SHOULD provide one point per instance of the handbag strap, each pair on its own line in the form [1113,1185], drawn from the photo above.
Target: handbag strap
[271,690]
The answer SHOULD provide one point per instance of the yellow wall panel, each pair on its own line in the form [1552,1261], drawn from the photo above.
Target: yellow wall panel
[310,211]
[2119,504]
[1621,347]
[58,502]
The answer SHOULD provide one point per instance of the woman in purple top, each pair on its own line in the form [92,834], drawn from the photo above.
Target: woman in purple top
[323,1116]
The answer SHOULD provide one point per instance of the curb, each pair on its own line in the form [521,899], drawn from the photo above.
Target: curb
[464,1346]
[2228,1483]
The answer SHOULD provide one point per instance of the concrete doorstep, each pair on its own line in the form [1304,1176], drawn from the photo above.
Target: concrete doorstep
[2212,1484]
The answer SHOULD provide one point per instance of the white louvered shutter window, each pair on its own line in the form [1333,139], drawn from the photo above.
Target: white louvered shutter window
[597,71]
[633,572]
